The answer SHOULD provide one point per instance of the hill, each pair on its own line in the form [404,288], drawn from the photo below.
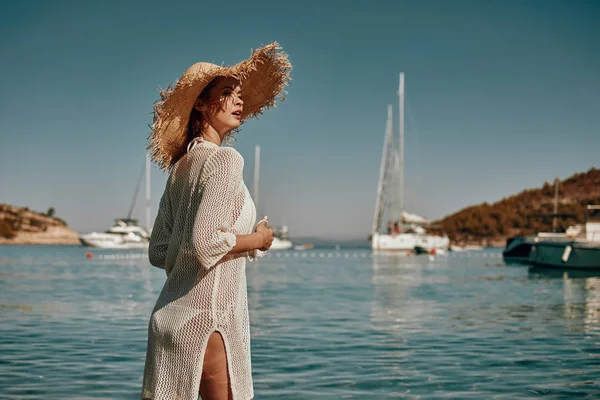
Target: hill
[19,225]
[523,213]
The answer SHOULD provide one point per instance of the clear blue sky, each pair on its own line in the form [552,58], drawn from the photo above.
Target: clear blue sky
[502,96]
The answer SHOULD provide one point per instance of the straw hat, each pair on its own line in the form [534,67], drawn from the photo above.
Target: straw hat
[263,77]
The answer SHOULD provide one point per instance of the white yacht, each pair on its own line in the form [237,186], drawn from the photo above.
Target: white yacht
[123,234]
[405,231]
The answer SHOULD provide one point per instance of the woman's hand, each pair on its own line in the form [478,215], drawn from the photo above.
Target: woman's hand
[267,235]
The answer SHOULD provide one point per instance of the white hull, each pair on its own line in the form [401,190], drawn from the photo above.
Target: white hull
[279,244]
[408,242]
[399,242]
[109,241]
[124,234]
[115,246]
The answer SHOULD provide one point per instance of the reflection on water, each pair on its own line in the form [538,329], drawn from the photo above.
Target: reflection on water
[592,307]
[398,305]
[581,296]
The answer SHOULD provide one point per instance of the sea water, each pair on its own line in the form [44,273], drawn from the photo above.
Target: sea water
[325,323]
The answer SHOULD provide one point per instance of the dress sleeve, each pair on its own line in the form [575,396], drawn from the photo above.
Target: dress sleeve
[221,179]
[255,254]
[161,233]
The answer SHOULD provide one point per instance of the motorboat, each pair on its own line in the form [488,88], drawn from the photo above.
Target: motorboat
[123,234]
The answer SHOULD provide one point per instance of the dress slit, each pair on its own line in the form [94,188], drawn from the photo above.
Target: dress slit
[198,378]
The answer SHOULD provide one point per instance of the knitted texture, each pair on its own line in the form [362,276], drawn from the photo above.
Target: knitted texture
[204,206]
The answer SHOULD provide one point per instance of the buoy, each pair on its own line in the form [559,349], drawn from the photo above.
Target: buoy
[89,255]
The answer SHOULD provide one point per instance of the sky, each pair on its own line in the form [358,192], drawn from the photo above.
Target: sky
[500,96]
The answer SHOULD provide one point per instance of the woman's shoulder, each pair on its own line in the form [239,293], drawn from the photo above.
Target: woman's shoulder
[224,157]
[208,160]
[213,155]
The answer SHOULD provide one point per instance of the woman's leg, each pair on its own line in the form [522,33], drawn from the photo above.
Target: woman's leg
[214,384]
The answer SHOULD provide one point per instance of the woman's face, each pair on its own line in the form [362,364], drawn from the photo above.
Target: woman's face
[223,106]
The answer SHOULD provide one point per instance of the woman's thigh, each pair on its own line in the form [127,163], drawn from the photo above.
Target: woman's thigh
[214,384]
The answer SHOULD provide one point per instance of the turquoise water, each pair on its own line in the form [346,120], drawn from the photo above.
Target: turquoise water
[325,324]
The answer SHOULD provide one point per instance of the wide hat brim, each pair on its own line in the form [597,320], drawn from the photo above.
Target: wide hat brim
[263,78]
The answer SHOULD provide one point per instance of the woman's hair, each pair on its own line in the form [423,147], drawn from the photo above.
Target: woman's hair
[195,124]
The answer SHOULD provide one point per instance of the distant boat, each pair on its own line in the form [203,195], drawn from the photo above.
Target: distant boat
[125,233]
[582,252]
[518,248]
[403,231]
[456,248]
[470,247]
[280,239]
[566,255]
[306,247]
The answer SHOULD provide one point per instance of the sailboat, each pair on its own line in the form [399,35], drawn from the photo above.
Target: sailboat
[403,231]
[125,233]
[280,234]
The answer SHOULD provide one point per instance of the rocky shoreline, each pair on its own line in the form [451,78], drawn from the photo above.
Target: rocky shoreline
[21,226]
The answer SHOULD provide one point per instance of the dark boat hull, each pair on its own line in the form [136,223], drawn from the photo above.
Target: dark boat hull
[566,255]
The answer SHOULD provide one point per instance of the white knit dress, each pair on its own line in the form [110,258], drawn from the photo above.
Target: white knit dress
[205,204]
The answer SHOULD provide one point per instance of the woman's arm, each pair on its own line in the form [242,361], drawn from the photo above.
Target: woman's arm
[245,243]
[212,236]
[261,239]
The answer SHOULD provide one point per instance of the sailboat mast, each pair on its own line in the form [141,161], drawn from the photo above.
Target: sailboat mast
[135,194]
[554,221]
[401,145]
[148,204]
[256,175]
[384,163]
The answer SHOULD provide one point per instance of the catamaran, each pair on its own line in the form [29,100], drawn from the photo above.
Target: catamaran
[393,228]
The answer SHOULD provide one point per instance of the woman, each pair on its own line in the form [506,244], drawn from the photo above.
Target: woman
[198,335]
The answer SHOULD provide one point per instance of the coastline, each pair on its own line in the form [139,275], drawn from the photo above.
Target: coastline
[52,236]
[20,225]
